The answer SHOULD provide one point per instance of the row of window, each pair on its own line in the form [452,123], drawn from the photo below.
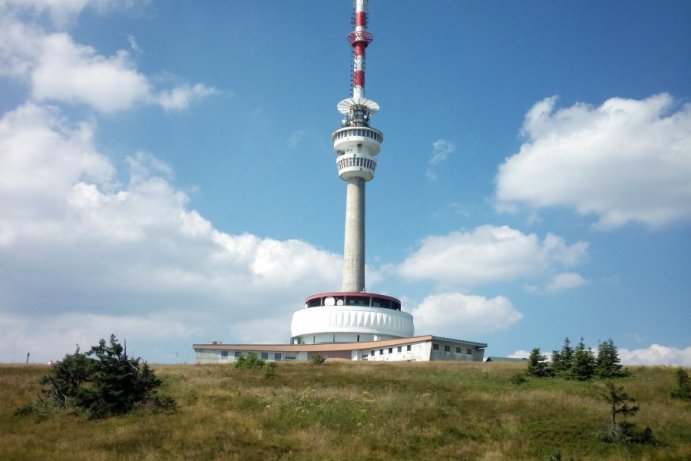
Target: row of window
[408,348]
[264,355]
[357,162]
[366,301]
[448,349]
[377,136]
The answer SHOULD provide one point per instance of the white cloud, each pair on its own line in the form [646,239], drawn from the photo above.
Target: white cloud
[73,73]
[656,354]
[625,161]
[441,149]
[63,13]
[181,96]
[488,254]
[82,254]
[458,315]
[520,354]
[565,281]
[60,70]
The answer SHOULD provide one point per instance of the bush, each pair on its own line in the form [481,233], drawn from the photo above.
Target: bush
[518,378]
[271,370]
[109,384]
[318,359]
[683,390]
[249,362]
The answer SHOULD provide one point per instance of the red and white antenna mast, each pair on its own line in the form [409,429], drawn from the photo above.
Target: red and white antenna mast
[359,39]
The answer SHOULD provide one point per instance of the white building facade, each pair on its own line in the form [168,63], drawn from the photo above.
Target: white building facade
[412,349]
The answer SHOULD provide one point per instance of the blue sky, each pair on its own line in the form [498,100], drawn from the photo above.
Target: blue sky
[167,174]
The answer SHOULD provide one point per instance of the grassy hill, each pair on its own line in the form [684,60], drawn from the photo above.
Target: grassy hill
[353,411]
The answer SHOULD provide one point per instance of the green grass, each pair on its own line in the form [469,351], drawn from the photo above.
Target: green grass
[354,411]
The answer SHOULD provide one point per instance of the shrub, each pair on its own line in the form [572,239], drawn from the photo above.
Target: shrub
[109,384]
[683,390]
[518,378]
[271,370]
[249,362]
[318,359]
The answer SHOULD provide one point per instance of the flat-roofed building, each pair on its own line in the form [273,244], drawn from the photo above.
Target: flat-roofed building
[413,349]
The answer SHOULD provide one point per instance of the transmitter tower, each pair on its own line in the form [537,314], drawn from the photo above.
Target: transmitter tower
[353,314]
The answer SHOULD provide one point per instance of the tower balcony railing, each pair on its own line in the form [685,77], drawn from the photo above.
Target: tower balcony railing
[352,165]
[351,138]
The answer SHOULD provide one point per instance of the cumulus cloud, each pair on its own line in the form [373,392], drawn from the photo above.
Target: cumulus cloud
[458,315]
[60,70]
[656,354]
[489,254]
[560,282]
[81,252]
[63,13]
[441,149]
[624,161]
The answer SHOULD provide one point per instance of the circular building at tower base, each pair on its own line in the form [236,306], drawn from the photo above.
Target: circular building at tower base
[342,317]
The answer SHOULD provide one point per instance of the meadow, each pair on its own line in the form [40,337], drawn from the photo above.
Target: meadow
[352,411]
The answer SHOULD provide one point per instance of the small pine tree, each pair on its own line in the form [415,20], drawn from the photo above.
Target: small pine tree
[583,363]
[562,361]
[622,404]
[537,364]
[109,384]
[608,364]
[63,385]
[683,390]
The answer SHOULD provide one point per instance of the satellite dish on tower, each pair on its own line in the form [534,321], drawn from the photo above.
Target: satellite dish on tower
[345,105]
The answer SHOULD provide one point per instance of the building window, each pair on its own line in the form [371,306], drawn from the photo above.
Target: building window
[265,355]
[447,348]
[458,350]
[381,351]
[470,352]
[435,347]
[408,347]
[277,356]
[400,348]
[224,353]
[391,350]
[238,354]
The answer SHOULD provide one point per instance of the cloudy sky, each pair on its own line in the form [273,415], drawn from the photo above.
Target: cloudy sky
[167,175]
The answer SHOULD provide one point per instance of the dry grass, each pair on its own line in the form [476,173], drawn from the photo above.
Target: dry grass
[343,410]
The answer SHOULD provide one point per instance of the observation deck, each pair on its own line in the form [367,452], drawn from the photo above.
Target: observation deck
[340,317]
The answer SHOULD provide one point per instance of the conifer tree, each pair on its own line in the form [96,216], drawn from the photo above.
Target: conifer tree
[608,364]
[683,390]
[562,361]
[583,363]
[537,365]
[109,384]
[620,404]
